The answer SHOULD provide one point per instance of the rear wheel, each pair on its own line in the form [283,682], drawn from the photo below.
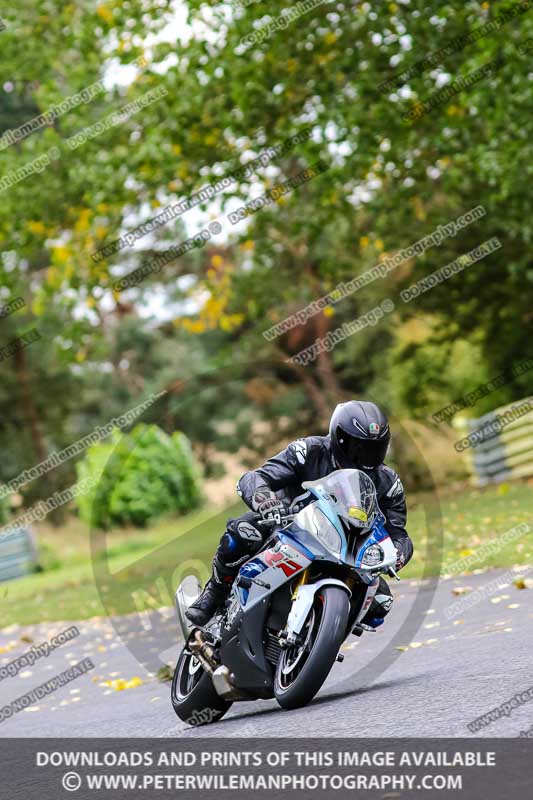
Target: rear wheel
[193,695]
[303,668]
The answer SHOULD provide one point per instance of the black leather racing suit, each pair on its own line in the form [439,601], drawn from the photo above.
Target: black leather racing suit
[307,460]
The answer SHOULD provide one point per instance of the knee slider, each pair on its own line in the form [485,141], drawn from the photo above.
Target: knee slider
[247,533]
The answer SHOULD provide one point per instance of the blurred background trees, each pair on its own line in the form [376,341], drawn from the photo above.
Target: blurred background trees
[196,326]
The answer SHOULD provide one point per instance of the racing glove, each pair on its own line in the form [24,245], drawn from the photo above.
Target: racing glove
[401,557]
[267,503]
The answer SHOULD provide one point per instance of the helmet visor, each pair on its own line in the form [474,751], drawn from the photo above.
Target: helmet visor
[367,453]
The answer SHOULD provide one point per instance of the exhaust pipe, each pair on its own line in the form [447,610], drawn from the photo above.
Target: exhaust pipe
[222,682]
[220,675]
[203,651]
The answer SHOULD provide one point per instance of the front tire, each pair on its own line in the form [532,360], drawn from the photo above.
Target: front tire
[193,695]
[302,670]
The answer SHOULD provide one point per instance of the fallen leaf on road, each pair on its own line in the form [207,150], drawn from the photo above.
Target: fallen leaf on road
[461,590]
[401,647]
[133,682]
[119,684]
[520,582]
[165,673]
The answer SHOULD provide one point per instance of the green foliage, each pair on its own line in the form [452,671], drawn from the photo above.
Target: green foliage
[426,371]
[388,185]
[49,557]
[4,511]
[139,477]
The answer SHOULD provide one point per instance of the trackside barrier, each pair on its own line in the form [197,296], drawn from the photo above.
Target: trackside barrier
[18,554]
[499,445]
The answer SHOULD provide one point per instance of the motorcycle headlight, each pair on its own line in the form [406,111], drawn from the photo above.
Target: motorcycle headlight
[373,556]
[313,520]
[329,538]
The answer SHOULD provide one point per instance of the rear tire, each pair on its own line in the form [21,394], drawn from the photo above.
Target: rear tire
[193,695]
[301,672]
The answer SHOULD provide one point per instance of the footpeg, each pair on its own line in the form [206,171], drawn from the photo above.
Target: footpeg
[360,628]
[340,657]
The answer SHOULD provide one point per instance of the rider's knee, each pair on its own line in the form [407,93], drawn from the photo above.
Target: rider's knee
[247,537]
[238,543]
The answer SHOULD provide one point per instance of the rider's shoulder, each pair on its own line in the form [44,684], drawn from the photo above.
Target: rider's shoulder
[308,445]
[389,481]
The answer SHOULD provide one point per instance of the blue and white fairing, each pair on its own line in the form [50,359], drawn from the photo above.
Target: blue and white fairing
[345,501]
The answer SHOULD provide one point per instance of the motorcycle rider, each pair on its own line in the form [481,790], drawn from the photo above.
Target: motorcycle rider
[359,437]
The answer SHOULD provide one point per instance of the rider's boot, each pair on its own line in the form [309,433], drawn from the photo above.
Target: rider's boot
[211,599]
[213,596]
[373,622]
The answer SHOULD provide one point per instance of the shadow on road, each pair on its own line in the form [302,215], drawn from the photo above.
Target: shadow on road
[325,699]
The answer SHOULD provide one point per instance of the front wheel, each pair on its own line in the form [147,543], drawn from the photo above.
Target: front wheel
[193,695]
[303,668]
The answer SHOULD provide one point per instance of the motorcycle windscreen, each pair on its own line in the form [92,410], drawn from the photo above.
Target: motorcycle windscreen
[351,494]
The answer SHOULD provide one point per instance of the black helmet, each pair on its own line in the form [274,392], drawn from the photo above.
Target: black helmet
[360,435]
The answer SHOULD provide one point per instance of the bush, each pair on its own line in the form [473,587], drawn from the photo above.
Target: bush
[138,477]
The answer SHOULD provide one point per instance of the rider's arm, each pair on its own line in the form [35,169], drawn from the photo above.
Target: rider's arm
[392,503]
[283,469]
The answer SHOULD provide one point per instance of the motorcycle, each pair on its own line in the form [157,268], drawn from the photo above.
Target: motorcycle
[291,606]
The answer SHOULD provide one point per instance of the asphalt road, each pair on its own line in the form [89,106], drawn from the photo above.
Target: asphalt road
[423,673]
